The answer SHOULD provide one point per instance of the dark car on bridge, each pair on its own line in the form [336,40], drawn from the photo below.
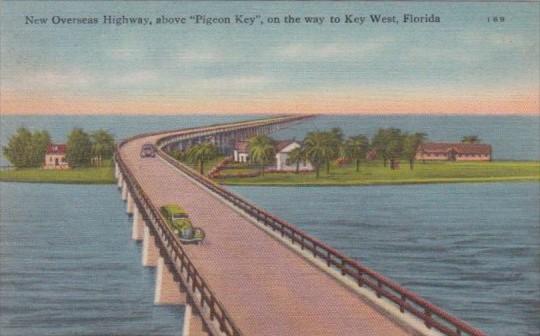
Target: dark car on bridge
[148,150]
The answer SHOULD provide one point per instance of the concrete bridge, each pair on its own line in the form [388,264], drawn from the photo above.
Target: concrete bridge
[255,274]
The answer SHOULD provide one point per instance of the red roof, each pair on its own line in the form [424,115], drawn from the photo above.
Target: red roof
[241,146]
[460,148]
[56,149]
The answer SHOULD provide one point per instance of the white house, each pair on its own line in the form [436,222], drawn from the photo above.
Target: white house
[283,148]
[55,157]
[241,151]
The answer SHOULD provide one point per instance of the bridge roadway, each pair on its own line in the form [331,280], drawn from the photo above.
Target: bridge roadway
[267,288]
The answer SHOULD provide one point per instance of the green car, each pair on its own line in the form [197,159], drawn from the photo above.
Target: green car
[179,221]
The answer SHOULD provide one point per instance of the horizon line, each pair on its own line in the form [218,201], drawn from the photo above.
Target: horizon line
[165,114]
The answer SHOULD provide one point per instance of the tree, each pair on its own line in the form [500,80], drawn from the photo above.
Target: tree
[296,156]
[102,145]
[261,150]
[394,149]
[318,149]
[16,150]
[26,149]
[40,142]
[335,142]
[79,148]
[382,139]
[410,146]
[178,154]
[471,139]
[201,153]
[356,148]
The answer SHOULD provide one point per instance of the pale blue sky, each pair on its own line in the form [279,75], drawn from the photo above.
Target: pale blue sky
[462,55]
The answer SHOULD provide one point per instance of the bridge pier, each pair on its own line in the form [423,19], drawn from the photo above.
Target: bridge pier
[150,252]
[137,231]
[124,190]
[193,325]
[120,180]
[130,204]
[116,171]
[167,290]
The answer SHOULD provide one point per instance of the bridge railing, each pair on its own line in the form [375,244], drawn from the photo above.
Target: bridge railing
[194,279]
[406,300]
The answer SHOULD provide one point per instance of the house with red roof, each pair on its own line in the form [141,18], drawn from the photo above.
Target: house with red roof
[55,157]
[454,152]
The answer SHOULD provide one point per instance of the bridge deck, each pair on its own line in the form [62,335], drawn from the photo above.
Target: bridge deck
[266,287]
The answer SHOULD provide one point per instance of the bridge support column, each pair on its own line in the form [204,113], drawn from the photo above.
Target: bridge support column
[193,325]
[137,232]
[150,251]
[167,290]
[116,170]
[120,180]
[124,190]
[130,204]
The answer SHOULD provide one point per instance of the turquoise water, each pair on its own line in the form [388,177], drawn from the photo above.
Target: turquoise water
[473,249]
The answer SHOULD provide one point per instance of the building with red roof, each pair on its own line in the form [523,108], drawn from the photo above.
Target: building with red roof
[55,157]
[454,152]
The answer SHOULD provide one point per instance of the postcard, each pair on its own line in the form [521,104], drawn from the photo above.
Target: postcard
[269,168]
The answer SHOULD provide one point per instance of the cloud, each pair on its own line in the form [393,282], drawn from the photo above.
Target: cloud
[134,78]
[123,54]
[232,83]
[439,56]
[498,39]
[49,80]
[334,50]
[200,56]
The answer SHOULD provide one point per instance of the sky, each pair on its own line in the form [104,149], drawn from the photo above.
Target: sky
[463,65]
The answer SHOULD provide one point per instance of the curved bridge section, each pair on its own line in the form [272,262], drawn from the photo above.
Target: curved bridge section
[255,274]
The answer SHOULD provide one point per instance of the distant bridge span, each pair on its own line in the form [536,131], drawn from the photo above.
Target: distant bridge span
[255,274]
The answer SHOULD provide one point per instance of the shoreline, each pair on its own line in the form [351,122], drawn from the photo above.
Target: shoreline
[374,174]
[508,179]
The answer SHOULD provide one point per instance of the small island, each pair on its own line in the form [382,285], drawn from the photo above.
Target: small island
[322,158]
[84,159]
[328,158]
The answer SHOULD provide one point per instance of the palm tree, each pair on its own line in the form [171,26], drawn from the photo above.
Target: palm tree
[335,141]
[201,153]
[356,148]
[471,139]
[261,150]
[296,156]
[318,149]
[385,142]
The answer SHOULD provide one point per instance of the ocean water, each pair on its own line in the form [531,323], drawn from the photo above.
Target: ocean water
[472,249]
[69,266]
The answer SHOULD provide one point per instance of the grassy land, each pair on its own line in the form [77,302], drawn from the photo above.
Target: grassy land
[371,173]
[374,173]
[207,165]
[101,175]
